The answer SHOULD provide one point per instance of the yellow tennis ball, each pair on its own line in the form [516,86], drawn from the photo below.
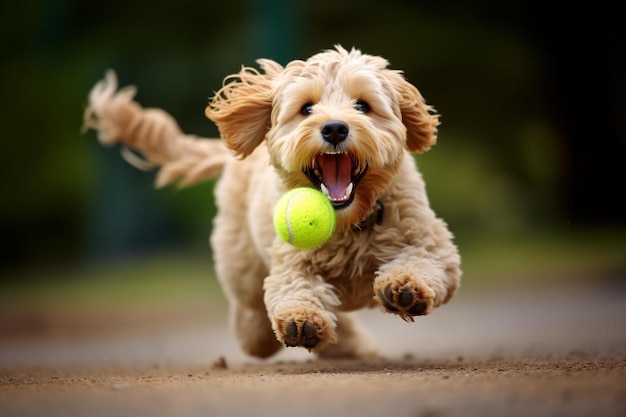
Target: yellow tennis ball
[305,218]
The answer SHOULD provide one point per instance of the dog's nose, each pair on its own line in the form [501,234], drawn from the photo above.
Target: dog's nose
[335,131]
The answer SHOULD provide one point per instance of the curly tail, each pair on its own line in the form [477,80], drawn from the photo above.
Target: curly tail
[154,133]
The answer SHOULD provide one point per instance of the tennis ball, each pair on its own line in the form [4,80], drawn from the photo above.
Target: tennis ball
[305,218]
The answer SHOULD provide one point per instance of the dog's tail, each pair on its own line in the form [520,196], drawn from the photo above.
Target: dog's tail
[154,133]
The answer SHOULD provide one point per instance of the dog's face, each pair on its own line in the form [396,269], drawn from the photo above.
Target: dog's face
[340,121]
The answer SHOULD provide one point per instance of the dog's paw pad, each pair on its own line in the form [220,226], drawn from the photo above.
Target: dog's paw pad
[291,334]
[386,298]
[310,328]
[406,302]
[309,336]
[304,335]
[405,298]
[418,309]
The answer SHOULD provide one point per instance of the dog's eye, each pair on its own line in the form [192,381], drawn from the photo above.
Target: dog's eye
[307,109]
[361,106]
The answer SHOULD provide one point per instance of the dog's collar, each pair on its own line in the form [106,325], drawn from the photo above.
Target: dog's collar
[375,217]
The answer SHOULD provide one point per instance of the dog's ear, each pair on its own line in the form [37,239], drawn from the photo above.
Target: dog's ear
[241,109]
[420,119]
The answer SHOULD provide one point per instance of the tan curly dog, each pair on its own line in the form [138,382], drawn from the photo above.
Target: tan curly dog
[341,122]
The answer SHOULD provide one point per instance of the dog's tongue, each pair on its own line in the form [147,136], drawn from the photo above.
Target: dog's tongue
[336,173]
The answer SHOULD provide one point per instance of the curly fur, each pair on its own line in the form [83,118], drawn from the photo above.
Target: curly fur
[406,263]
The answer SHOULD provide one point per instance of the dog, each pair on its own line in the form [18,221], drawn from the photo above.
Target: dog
[341,122]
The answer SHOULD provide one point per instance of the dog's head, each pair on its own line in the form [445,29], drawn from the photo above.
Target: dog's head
[340,121]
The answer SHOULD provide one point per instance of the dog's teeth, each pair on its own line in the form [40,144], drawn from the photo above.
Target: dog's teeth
[345,197]
[349,191]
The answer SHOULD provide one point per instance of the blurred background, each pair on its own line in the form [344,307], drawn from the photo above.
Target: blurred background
[528,171]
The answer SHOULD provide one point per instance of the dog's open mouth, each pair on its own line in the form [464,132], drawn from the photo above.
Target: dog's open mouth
[336,175]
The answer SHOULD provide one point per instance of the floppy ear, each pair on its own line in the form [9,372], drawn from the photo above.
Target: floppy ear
[420,119]
[241,108]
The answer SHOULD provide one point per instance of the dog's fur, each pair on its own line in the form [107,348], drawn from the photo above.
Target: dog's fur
[400,258]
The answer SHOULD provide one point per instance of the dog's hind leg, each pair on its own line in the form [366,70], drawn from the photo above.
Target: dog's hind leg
[239,263]
[241,272]
[254,330]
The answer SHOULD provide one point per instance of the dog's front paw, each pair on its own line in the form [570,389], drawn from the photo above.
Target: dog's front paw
[402,294]
[304,327]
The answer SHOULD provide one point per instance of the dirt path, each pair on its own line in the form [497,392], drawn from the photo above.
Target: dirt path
[554,352]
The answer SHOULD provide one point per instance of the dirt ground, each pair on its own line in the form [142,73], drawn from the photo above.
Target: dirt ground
[558,351]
